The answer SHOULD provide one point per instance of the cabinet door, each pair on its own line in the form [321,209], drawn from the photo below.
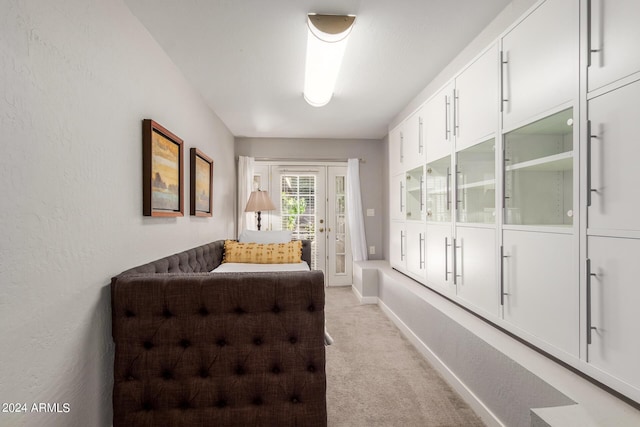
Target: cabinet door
[614,159]
[414,151]
[439,261]
[540,281]
[541,61]
[396,147]
[397,245]
[476,268]
[476,106]
[615,36]
[416,231]
[397,197]
[438,124]
[615,292]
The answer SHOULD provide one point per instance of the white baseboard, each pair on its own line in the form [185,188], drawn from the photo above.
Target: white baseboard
[364,300]
[467,395]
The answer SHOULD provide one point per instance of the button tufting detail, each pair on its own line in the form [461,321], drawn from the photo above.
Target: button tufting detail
[184,405]
[167,375]
[147,345]
[147,406]
[221,342]
[221,403]
[295,399]
[240,370]
[204,373]
[257,401]
[239,310]
[129,313]
[276,309]
[311,308]
[257,341]
[293,340]
[311,368]
[203,311]
[276,370]
[166,313]
[185,343]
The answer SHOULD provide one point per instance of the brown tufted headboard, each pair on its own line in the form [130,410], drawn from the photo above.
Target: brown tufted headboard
[230,349]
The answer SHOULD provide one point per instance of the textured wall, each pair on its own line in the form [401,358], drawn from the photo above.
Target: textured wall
[76,79]
[371,171]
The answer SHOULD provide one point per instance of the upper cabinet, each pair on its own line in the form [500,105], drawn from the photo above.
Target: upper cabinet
[438,133]
[475,102]
[413,141]
[540,62]
[613,36]
[396,148]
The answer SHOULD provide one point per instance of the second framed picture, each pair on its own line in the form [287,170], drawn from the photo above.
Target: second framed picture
[201,184]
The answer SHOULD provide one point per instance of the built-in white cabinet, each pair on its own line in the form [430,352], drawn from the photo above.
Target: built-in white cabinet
[475,110]
[613,37]
[613,294]
[613,164]
[475,270]
[540,287]
[415,247]
[513,189]
[398,197]
[414,147]
[397,245]
[540,62]
[438,128]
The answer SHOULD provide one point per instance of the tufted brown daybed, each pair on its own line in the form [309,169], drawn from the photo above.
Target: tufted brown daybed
[225,349]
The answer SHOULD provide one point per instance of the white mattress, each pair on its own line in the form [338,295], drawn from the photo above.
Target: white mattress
[233,267]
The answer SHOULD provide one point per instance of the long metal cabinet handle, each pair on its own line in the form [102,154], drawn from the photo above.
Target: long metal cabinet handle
[421,191]
[401,191]
[401,147]
[502,80]
[421,251]
[589,33]
[589,326]
[589,137]
[401,245]
[446,259]
[502,292]
[455,113]
[455,262]
[420,136]
[446,117]
[448,188]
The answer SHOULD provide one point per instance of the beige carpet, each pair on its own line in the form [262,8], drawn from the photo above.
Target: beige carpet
[375,377]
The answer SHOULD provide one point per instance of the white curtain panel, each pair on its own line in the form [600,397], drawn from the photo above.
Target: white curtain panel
[245,186]
[355,218]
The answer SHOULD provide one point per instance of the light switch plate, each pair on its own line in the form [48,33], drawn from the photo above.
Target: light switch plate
[371,212]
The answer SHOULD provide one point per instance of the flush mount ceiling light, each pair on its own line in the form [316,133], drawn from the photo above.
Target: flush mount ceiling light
[326,42]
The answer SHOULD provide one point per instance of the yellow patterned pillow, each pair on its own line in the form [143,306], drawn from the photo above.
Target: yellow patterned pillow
[263,253]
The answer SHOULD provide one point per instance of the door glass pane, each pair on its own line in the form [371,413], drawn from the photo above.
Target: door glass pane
[439,190]
[340,224]
[475,198]
[538,168]
[298,209]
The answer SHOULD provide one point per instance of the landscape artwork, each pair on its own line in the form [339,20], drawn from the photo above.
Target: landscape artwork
[162,171]
[165,169]
[201,183]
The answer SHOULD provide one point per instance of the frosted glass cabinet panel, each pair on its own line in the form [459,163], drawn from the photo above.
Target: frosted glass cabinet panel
[541,287]
[439,195]
[614,314]
[476,184]
[540,61]
[615,174]
[415,199]
[538,166]
[614,38]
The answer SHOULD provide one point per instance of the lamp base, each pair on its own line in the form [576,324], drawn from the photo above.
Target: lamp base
[258,220]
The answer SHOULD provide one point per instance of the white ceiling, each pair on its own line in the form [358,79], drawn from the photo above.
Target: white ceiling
[246,58]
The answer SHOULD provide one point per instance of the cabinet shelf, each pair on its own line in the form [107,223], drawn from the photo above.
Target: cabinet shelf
[555,162]
[489,183]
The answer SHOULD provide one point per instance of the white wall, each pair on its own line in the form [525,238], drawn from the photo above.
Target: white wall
[76,79]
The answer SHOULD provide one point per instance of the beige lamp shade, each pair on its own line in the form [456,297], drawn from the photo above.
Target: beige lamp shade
[259,201]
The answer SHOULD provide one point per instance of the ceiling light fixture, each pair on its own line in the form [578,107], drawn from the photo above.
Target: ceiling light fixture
[326,41]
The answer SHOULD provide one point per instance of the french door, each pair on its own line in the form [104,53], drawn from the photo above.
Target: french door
[311,202]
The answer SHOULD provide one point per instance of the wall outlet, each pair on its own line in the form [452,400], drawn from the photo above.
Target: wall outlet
[372,250]
[371,212]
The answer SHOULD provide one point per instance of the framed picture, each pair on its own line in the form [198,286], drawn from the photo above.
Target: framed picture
[201,184]
[162,171]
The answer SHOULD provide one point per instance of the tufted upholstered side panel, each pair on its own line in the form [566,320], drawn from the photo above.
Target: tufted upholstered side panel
[231,349]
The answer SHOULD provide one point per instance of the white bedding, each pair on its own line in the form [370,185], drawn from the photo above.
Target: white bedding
[236,267]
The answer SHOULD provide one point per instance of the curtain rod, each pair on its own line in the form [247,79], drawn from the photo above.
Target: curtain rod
[284,159]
